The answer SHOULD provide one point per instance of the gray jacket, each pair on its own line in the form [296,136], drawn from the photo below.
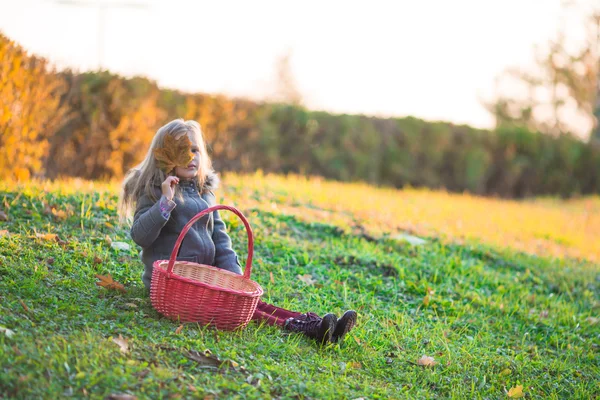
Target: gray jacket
[206,242]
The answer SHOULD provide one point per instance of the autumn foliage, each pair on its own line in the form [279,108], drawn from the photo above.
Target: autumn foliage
[97,125]
[31,111]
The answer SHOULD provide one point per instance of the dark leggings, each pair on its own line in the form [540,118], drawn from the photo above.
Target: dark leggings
[272,315]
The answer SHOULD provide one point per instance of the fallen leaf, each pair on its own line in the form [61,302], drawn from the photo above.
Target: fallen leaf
[6,331]
[426,300]
[592,320]
[123,344]
[356,340]
[50,260]
[120,246]
[107,282]
[174,153]
[108,240]
[178,330]
[3,216]
[120,396]
[24,305]
[97,260]
[60,214]
[426,361]
[516,392]
[355,365]
[505,372]
[4,232]
[271,276]
[46,236]
[307,278]
[204,359]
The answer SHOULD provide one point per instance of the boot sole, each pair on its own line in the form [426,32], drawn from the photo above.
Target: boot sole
[351,322]
[328,323]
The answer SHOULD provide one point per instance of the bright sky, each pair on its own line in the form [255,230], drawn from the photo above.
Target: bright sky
[433,59]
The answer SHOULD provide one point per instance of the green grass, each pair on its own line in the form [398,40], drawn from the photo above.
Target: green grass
[494,318]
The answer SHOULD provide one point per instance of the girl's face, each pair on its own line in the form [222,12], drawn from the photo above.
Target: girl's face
[192,169]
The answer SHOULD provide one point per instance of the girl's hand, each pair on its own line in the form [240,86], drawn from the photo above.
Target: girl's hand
[168,187]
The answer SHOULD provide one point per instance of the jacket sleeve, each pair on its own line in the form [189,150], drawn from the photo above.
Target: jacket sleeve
[147,222]
[225,256]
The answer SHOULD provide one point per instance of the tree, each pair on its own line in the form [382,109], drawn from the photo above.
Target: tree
[566,84]
[286,86]
[30,110]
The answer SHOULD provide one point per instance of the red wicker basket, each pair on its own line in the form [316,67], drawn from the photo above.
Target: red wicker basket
[191,292]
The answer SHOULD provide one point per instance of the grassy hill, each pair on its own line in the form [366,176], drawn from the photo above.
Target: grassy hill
[501,294]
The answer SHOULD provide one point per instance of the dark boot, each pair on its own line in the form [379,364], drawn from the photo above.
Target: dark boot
[313,326]
[343,326]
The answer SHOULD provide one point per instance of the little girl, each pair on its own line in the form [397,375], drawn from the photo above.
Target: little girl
[167,189]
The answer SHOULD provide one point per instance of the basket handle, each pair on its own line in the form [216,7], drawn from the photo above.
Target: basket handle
[186,228]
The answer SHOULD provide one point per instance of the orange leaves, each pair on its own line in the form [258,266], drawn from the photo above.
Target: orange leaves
[122,343]
[174,153]
[426,361]
[515,392]
[30,110]
[46,236]
[54,211]
[107,282]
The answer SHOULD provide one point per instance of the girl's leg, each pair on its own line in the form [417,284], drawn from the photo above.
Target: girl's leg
[260,316]
[273,315]
[278,312]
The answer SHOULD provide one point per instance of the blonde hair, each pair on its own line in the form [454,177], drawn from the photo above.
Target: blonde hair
[146,176]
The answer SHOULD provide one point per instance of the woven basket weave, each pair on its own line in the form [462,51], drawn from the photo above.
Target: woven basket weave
[192,292]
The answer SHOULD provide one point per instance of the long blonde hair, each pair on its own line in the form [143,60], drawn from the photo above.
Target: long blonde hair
[147,176]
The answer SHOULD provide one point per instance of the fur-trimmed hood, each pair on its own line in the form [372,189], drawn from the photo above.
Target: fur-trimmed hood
[211,183]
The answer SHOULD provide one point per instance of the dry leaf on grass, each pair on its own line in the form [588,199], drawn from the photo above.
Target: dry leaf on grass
[120,246]
[307,278]
[4,232]
[426,300]
[107,282]
[3,216]
[6,331]
[516,392]
[178,330]
[60,215]
[123,344]
[120,396]
[46,236]
[207,360]
[174,153]
[426,361]
[271,276]
[24,306]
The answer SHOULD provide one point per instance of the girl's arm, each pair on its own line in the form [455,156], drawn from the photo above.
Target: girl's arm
[149,219]
[225,256]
